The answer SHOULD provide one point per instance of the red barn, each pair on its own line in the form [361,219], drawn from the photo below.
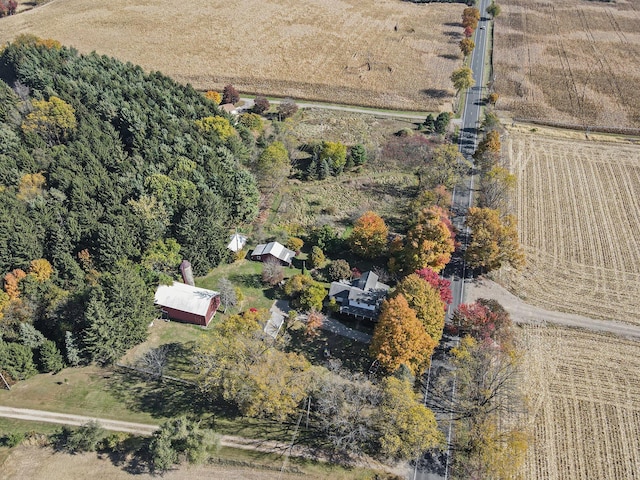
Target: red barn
[186,303]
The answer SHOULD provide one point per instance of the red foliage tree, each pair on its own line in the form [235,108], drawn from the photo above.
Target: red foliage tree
[442,285]
[485,320]
[260,105]
[468,32]
[230,95]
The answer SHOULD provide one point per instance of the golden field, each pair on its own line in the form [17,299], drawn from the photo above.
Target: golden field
[571,61]
[380,53]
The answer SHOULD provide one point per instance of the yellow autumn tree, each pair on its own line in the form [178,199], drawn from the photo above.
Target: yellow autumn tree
[218,125]
[400,338]
[30,186]
[494,240]
[40,269]
[406,427]
[425,301]
[214,96]
[52,119]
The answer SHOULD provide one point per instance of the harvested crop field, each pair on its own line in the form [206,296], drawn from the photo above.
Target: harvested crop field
[578,209]
[585,417]
[571,61]
[380,53]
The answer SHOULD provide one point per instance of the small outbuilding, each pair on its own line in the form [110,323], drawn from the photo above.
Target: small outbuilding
[265,251]
[187,303]
[237,242]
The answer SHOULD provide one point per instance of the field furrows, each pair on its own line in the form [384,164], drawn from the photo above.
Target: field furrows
[578,208]
[569,61]
[585,421]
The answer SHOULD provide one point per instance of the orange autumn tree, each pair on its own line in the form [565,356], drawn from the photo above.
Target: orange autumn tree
[400,338]
[369,236]
[11,283]
[429,243]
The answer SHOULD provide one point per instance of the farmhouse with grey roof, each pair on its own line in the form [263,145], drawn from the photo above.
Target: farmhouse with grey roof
[361,297]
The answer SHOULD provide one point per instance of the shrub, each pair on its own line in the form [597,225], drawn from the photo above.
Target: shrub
[83,439]
[339,270]
[272,271]
[295,244]
[317,257]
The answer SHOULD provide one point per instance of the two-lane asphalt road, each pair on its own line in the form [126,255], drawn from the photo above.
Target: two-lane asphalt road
[462,199]
[468,140]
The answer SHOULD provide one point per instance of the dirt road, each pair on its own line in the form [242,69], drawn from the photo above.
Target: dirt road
[523,313]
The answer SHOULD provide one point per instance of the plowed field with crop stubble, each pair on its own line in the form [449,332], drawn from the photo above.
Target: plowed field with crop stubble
[584,397]
[578,209]
[380,53]
[572,61]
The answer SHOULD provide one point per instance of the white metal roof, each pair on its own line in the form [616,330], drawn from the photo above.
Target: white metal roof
[185,298]
[237,242]
[276,249]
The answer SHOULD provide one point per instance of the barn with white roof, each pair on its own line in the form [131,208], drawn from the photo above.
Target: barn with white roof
[186,303]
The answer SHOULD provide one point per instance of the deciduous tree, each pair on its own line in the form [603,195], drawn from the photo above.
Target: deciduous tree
[400,338]
[339,270]
[52,119]
[462,78]
[287,108]
[485,319]
[218,125]
[494,240]
[261,105]
[230,94]
[405,426]
[466,46]
[228,297]
[425,301]
[335,153]
[442,285]
[239,362]
[429,243]
[214,96]
[493,9]
[495,188]
[368,238]
[317,258]
[272,271]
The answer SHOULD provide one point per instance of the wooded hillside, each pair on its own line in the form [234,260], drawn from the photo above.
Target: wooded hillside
[103,168]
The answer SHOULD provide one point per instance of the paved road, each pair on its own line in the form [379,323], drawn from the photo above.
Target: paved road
[457,271]
[248,104]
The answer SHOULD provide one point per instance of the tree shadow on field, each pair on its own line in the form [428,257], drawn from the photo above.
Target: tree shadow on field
[163,398]
[449,56]
[251,280]
[437,92]
[452,34]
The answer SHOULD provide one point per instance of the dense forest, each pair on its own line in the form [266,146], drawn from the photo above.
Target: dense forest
[109,177]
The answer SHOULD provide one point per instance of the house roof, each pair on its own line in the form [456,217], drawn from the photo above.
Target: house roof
[276,249]
[237,242]
[367,289]
[228,107]
[185,298]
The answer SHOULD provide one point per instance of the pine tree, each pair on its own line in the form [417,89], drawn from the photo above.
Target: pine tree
[73,354]
[50,357]
[323,170]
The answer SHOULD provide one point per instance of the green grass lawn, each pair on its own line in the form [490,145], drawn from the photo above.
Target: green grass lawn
[246,275]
